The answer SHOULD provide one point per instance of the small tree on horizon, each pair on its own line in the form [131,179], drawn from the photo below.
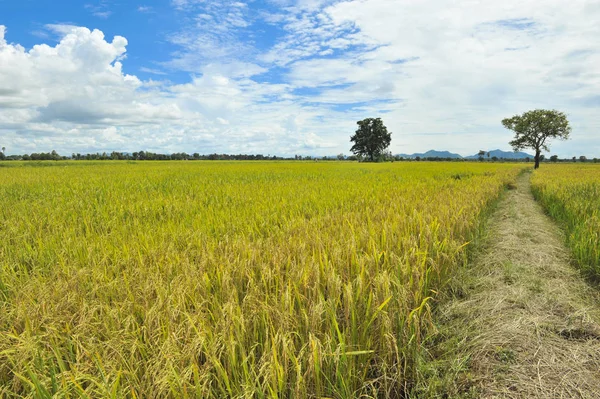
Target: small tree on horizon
[480,155]
[371,138]
[533,129]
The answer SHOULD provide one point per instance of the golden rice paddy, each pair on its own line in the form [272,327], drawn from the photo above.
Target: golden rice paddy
[570,193]
[230,279]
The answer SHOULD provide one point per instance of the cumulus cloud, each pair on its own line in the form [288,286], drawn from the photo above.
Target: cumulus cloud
[75,97]
[80,80]
[76,87]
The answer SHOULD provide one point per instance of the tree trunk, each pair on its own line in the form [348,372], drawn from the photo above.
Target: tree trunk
[537,159]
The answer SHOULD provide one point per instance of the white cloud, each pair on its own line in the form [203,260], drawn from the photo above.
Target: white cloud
[153,71]
[213,31]
[76,84]
[145,9]
[442,75]
[61,29]
[75,97]
[100,9]
[469,65]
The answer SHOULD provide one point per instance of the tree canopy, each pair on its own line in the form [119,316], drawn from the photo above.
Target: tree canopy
[371,138]
[534,128]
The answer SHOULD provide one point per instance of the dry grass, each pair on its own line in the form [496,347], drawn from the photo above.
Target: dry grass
[529,323]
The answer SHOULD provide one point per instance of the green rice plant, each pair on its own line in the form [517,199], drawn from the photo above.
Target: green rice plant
[228,279]
[570,193]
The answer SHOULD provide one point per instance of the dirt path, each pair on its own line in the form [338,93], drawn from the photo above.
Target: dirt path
[529,325]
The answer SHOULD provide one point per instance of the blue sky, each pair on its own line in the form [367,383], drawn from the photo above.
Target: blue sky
[292,76]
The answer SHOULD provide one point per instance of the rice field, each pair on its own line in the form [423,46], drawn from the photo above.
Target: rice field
[570,193]
[232,279]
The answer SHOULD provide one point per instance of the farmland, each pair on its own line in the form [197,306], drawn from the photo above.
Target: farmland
[526,323]
[229,279]
[571,194]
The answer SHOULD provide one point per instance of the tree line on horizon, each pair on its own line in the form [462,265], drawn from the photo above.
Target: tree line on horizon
[182,156]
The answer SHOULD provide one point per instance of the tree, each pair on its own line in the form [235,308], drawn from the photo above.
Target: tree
[534,128]
[554,158]
[583,158]
[371,138]
[480,155]
[386,156]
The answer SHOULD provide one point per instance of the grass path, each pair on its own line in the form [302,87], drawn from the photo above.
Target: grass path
[525,324]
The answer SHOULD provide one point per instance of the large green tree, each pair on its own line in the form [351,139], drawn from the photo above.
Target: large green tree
[371,138]
[534,128]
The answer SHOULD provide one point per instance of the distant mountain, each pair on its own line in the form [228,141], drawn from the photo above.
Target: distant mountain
[503,154]
[447,154]
[431,154]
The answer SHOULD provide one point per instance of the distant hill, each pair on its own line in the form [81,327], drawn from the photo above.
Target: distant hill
[447,154]
[503,154]
[431,154]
